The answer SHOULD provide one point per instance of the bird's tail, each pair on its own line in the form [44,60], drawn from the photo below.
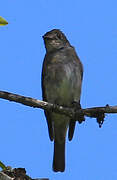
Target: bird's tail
[59,157]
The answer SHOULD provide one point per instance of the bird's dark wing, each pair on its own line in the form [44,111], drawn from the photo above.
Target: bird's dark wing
[49,123]
[71,129]
[75,104]
[47,113]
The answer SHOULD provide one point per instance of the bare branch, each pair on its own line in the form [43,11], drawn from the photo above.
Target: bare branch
[16,173]
[28,101]
[4,176]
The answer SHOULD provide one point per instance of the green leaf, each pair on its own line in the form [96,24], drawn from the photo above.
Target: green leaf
[3,22]
[2,166]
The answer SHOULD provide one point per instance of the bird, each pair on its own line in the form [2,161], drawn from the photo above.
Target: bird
[62,75]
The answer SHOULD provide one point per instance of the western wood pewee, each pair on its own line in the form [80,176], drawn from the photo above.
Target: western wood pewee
[61,84]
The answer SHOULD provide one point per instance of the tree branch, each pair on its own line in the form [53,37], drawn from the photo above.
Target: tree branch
[16,174]
[28,101]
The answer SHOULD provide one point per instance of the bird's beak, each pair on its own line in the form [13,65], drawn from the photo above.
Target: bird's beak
[43,37]
[46,37]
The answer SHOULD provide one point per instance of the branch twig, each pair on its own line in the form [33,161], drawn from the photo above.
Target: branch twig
[16,173]
[28,101]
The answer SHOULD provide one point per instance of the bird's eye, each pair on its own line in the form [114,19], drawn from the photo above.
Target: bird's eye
[59,35]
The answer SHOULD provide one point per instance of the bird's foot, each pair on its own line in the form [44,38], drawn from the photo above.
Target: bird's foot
[79,116]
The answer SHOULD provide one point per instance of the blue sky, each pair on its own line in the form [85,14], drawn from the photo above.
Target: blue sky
[91,28]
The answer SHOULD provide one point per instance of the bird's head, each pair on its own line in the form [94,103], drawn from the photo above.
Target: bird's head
[54,40]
